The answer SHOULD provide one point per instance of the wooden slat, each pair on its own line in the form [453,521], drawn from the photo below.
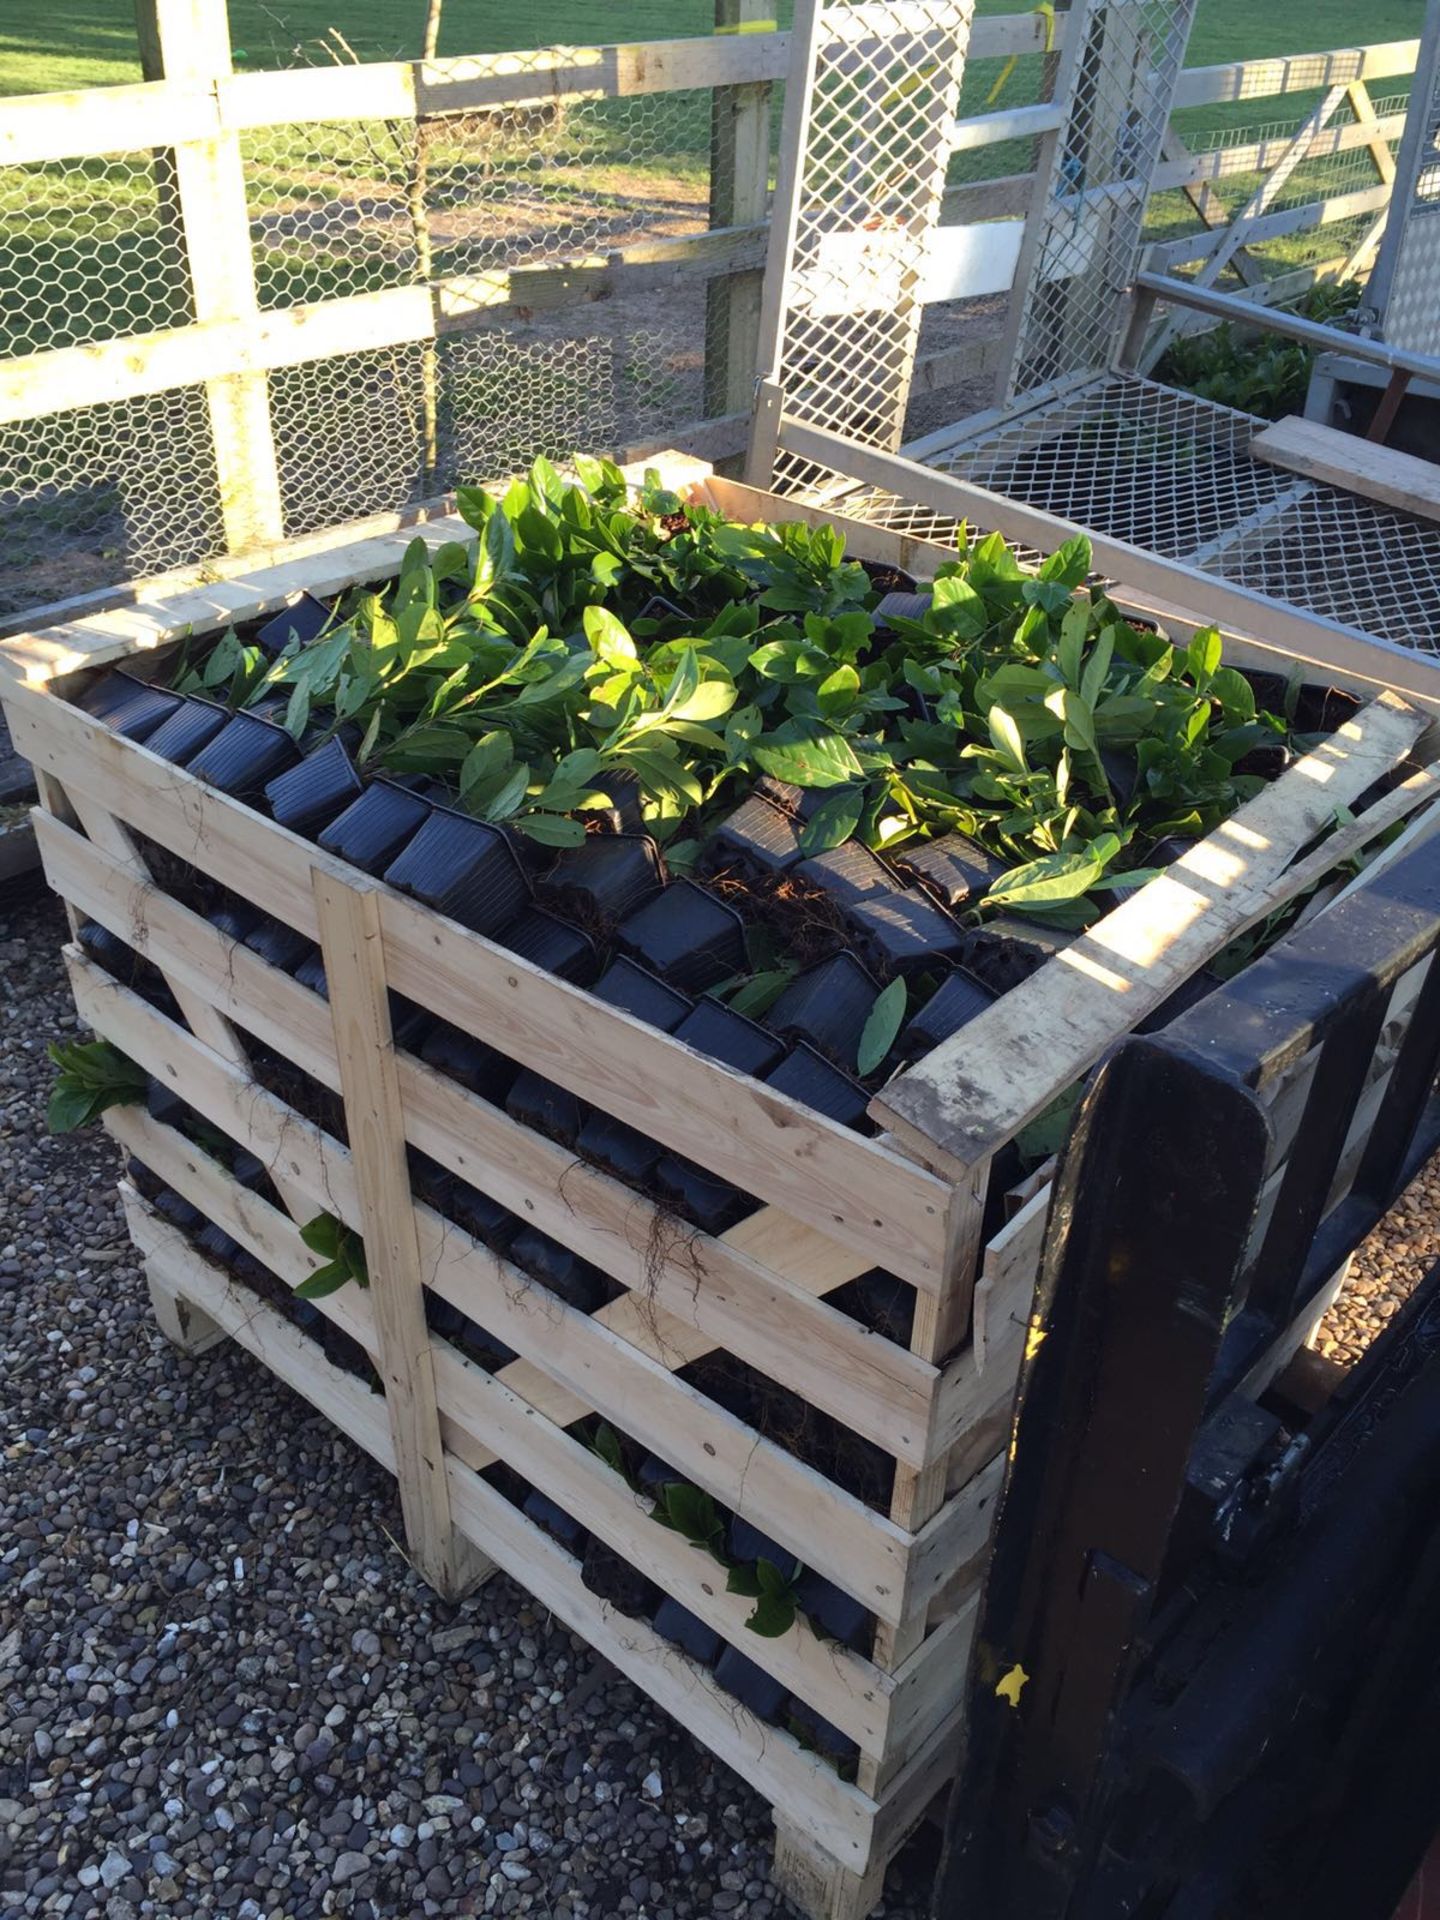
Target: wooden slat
[1222,163]
[1294,73]
[486,1420]
[349,927]
[851,1188]
[855,1190]
[1359,466]
[774,1256]
[1165,255]
[974,1093]
[827,1528]
[91,121]
[766,1757]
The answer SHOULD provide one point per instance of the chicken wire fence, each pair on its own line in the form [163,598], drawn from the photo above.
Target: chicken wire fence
[516,204]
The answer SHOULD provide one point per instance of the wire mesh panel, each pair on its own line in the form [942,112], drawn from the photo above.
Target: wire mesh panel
[1406,285]
[867,155]
[1124,58]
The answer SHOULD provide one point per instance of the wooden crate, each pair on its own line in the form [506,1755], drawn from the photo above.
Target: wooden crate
[832,1205]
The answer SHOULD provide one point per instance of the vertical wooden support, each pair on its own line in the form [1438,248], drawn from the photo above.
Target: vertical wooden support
[182,1324]
[818,1884]
[359,1006]
[190,40]
[941,1321]
[739,193]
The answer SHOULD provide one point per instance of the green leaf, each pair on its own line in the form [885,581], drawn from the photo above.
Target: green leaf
[1092,681]
[710,700]
[833,821]
[608,637]
[489,756]
[1070,564]
[773,1616]
[551,829]
[1054,878]
[837,693]
[1203,656]
[760,992]
[70,1106]
[323,1235]
[327,1279]
[881,1026]
[508,797]
[807,753]
[1007,738]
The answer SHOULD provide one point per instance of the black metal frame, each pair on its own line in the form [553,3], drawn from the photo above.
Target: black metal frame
[1202,1613]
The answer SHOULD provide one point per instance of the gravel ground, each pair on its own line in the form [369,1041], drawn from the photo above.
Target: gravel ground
[222,1689]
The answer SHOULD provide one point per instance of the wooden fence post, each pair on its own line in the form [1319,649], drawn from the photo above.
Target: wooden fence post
[350,940]
[739,194]
[190,40]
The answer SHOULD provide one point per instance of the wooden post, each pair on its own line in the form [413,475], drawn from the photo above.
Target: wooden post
[739,194]
[350,940]
[190,40]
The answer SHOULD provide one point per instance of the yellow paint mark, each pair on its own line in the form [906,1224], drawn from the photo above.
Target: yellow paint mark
[1034,1336]
[1010,1687]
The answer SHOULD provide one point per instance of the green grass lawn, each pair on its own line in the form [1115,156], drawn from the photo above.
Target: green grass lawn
[50,44]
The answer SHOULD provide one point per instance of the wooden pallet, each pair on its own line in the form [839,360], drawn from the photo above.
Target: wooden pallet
[831,1205]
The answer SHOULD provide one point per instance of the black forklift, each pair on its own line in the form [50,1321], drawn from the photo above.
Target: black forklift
[1204,1682]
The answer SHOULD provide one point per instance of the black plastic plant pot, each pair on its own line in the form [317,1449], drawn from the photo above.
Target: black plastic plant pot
[606,877]
[552,1109]
[162,1103]
[748,1544]
[1324,709]
[108,950]
[562,1527]
[559,1271]
[956,1002]
[310,795]
[547,941]
[188,730]
[546,1107]
[460,1056]
[245,755]
[410,1026]
[832,1612]
[280,945]
[904,932]
[759,838]
[885,578]
[1270,689]
[169,1205]
[443,1319]
[707,1203]
[799,801]
[303,620]
[311,973]
[847,875]
[249,1171]
[236,919]
[688,1632]
[1002,952]
[635,990]
[150,1186]
[954,869]
[465,868]
[818,1733]
[749,1684]
[687,936]
[809,1078]
[1267,762]
[699,1197]
[903,603]
[653,1473]
[1122,770]
[610,1577]
[827,1006]
[217,1245]
[880,1302]
[735,1041]
[622,1152]
[130,707]
[483,1347]
[1166,852]
[481,1217]
[626,811]
[373,830]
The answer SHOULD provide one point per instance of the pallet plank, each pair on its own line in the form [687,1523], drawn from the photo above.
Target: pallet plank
[1358,466]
